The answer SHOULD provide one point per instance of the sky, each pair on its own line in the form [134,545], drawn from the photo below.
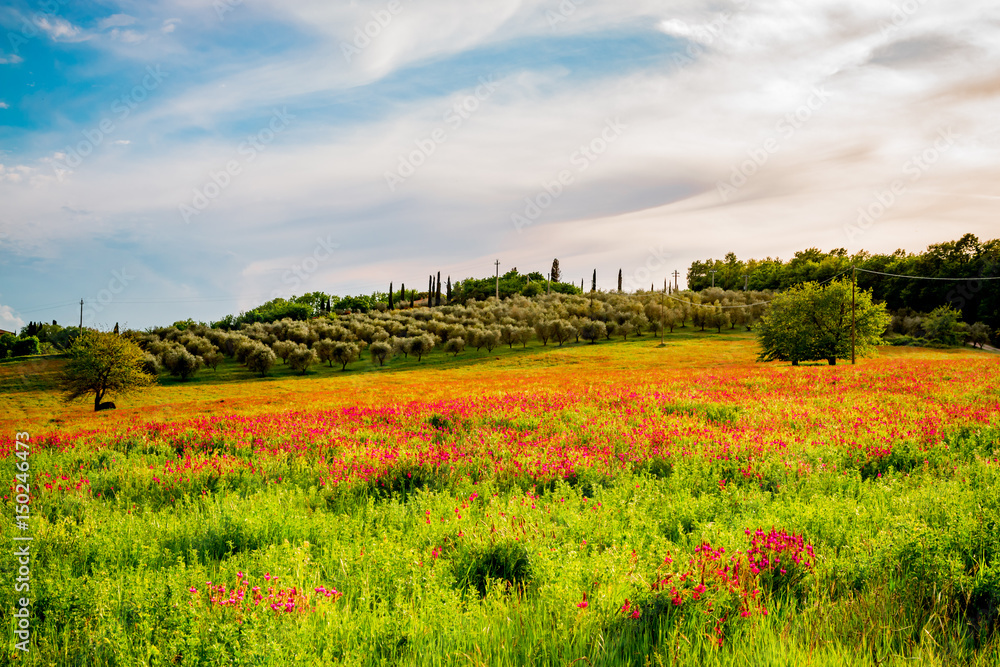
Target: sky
[195,158]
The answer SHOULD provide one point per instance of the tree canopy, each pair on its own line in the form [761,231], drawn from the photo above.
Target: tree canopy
[103,364]
[812,322]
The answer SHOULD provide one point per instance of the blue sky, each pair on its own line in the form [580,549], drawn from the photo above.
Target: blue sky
[164,160]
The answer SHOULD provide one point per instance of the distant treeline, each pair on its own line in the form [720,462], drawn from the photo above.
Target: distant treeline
[317,304]
[968,259]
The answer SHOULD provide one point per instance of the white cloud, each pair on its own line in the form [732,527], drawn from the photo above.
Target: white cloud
[121,142]
[169,25]
[8,320]
[127,36]
[116,21]
[12,59]
[59,29]
[4,105]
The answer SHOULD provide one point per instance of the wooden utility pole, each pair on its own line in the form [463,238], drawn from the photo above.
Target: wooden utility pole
[498,279]
[854,282]
[713,272]
[746,280]
[662,314]
[548,284]
[676,273]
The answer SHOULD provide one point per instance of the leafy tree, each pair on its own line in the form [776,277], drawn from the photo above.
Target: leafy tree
[103,364]
[555,275]
[7,344]
[454,345]
[544,331]
[260,358]
[811,322]
[593,330]
[979,334]
[283,348]
[345,352]
[380,350]
[562,331]
[181,363]
[302,358]
[942,326]
[213,358]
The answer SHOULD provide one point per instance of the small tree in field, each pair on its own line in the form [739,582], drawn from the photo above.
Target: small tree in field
[283,348]
[593,330]
[380,351]
[324,350]
[103,364]
[422,345]
[454,345]
[180,362]
[260,358]
[344,353]
[302,358]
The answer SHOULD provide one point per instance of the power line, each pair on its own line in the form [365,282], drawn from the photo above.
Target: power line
[899,275]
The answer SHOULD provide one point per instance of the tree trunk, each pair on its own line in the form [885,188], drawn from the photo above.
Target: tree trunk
[795,362]
[832,361]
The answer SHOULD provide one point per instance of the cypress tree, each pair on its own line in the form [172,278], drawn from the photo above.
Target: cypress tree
[619,280]
[390,296]
[593,282]
[437,299]
[449,289]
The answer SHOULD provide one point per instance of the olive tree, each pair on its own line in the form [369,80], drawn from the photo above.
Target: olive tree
[345,352]
[301,358]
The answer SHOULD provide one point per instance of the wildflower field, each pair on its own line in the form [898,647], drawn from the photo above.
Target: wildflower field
[612,504]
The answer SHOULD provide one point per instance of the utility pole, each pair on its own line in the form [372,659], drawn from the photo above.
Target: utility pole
[498,279]
[548,283]
[746,279]
[81,315]
[662,314]
[854,282]
[713,272]
[676,273]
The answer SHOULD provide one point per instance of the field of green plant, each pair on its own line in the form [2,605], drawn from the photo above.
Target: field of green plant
[608,504]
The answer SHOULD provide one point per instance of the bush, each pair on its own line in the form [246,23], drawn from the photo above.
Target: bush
[26,346]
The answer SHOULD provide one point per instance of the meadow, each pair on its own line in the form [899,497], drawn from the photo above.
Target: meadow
[620,503]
